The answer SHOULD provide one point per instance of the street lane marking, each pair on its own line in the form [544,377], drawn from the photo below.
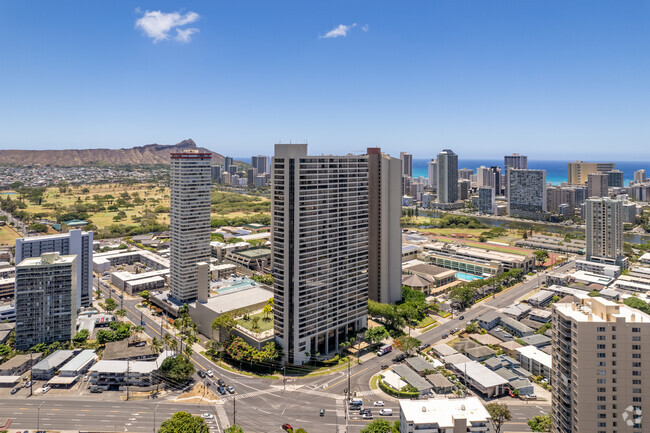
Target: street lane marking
[344,379]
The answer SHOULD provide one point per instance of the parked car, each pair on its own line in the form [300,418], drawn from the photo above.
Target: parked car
[29,383]
[384,366]
[15,390]
[287,427]
[461,318]
[46,389]
[445,335]
[96,390]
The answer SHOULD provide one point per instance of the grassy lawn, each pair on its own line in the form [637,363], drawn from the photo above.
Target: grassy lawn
[152,195]
[428,320]
[8,235]
[449,231]
[264,325]
[373,382]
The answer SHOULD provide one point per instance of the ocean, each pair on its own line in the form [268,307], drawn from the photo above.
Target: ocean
[556,171]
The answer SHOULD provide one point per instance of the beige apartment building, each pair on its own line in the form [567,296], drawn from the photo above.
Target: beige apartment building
[319,260]
[599,363]
[578,171]
[384,230]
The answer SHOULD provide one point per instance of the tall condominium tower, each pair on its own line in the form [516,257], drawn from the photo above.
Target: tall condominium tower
[385,233]
[447,176]
[599,361]
[639,176]
[578,171]
[189,221]
[486,200]
[407,163]
[615,179]
[526,193]
[227,162]
[262,163]
[75,242]
[515,161]
[319,229]
[597,184]
[46,299]
[465,173]
[604,221]
[432,169]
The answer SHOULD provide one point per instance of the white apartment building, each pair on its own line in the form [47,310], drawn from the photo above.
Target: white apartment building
[319,229]
[604,221]
[46,299]
[75,242]
[599,363]
[385,232]
[441,415]
[189,221]
[447,176]
[432,171]
[262,163]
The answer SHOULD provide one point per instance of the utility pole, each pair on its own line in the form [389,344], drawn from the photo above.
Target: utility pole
[349,389]
[284,377]
[234,409]
[128,371]
[31,378]
[154,418]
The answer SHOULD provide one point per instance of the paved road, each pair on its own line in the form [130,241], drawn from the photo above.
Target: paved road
[263,404]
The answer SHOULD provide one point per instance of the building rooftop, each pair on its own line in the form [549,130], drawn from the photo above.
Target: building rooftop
[253,253]
[54,360]
[415,281]
[80,360]
[116,350]
[444,350]
[411,377]
[47,259]
[536,340]
[531,352]
[439,381]
[541,296]
[443,412]
[598,309]
[135,367]
[480,374]
[237,298]
[590,277]
[419,364]
[19,360]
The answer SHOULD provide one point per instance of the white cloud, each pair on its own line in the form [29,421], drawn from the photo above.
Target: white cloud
[365,27]
[157,25]
[341,30]
[184,35]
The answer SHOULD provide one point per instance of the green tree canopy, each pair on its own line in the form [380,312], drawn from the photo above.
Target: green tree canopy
[540,423]
[183,422]
[377,334]
[234,429]
[500,414]
[379,425]
[406,343]
[177,368]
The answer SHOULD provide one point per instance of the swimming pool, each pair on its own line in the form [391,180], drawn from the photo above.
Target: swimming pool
[467,277]
[239,285]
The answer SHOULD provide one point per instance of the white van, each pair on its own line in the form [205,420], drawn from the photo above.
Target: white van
[386,412]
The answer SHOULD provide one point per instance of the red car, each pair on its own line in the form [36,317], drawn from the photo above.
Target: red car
[287,428]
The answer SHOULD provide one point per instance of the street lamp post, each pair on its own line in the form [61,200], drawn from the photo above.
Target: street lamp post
[38,417]
[154,418]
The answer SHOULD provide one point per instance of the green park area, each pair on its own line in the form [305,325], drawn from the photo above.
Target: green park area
[120,210]
[259,322]
[8,235]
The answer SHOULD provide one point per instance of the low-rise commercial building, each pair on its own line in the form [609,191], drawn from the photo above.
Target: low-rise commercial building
[481,378]
[127,373]
[7,288]
[19,364]
[79,364]
[256,259]
[598,268]
[46,368]
[508,261]
[463,264]
[444,416]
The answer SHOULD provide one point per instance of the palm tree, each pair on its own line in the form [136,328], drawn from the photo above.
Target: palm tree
[188,350]
[173,345]
[167,339]
[156,345]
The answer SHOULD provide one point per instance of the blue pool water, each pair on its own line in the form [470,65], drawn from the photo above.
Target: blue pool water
[245,283]
[467,277]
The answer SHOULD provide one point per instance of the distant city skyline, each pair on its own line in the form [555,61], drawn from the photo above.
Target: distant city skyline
[491,78]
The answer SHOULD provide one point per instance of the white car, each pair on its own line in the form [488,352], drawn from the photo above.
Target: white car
[46,389]
[209,373]
[86,378]
[379,403]
[207,416]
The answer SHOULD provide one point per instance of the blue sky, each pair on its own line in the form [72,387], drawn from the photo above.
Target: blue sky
[552,79]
